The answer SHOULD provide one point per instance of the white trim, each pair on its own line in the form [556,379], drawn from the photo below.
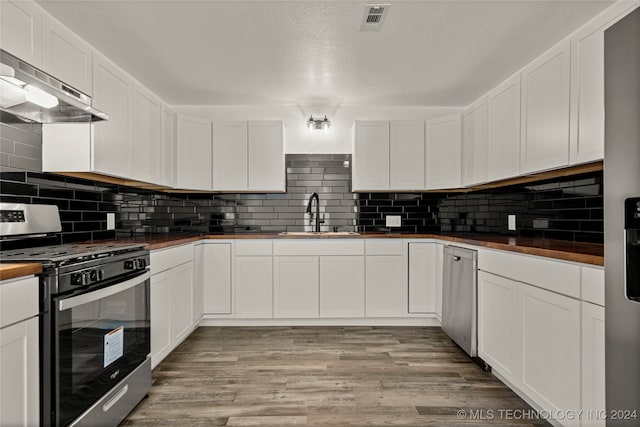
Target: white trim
[393,321]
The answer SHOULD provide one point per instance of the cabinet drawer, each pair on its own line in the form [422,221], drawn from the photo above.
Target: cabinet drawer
[384,247]
[553,275]
[318,247]
[165,259]
[254,247]
[593,285]
[18,300]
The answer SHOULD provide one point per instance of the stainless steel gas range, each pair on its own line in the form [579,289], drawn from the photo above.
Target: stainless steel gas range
[94,323]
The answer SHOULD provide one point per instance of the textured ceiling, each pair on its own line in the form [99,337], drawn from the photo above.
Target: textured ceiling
[439,53]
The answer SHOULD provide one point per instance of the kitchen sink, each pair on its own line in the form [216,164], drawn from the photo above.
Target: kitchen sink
[319,233]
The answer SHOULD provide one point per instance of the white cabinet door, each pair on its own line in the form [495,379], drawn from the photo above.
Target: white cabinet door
[20,373]
[342,286]
[161,333]
[593,366]
[504,130]
[66,56]
[371,156]
[295,286]
[181,302]
[406,155]
[545,110]
[147,144]
[230,156]
[549,334]
[213,263]
[384,286]
[497,317]
[112,94]
[266,156]
[476,138]
[21,30]
[425,277]
[193,160]
[254,287]
[443,155]
[168,143]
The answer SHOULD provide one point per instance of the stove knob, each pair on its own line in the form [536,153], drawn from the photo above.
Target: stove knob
[129,265]
[100,274]
[93,275]
[80,279]
[140,264]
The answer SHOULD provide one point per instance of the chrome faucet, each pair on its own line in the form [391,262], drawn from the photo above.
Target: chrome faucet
[317,214]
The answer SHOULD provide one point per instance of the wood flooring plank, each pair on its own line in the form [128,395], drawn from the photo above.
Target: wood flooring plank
[321,376]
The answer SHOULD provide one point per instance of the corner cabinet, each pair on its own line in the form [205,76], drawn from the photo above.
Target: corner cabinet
[546,85]
[194,153]
[444,153]
[168,138]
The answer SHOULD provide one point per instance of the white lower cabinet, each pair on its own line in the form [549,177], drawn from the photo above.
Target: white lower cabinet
[342,286]
[19,353]
[19,371]
[172,318]
[497,299]
[384,286]
[425,278]
[549,330]
[254,287]
[161,334]
[295,286]
[214,266]
[593,367]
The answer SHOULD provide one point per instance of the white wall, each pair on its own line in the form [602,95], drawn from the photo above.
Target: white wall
[298,140]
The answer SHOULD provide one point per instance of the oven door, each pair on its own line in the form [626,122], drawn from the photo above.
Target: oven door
[100,337]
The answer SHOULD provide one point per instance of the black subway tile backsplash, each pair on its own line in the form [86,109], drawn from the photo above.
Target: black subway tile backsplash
[568,208]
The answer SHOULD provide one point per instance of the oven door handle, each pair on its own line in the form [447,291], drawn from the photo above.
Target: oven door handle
[72,302]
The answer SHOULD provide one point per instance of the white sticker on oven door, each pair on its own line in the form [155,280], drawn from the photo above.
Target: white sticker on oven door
[113,345]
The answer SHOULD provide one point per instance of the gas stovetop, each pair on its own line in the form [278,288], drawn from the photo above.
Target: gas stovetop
[66,254]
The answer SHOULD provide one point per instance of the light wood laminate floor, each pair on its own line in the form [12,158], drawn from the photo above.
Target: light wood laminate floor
[321,376]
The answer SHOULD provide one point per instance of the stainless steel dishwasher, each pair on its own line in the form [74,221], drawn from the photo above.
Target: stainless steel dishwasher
[459,295]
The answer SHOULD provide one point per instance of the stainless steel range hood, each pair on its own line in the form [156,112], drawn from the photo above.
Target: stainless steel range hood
[29,95]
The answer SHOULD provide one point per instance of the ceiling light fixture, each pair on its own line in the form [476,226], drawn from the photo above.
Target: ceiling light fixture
[318,124]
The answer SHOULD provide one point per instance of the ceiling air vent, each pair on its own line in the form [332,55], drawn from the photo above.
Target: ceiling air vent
[374,15]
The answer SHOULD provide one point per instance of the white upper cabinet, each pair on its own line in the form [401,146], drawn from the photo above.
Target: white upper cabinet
[266,156]
[147,142]
[21,30]
[371,156]
[193,159]
[230,152]
[545,110]
[66,56]
[504,130]
[112,93]
[587,86]
[168,143]
[475,150]
[406,155]
[443,154]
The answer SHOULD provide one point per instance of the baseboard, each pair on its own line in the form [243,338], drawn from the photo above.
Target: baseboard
[392,321]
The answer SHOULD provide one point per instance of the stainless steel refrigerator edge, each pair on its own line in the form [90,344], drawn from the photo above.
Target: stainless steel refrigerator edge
[621,181]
